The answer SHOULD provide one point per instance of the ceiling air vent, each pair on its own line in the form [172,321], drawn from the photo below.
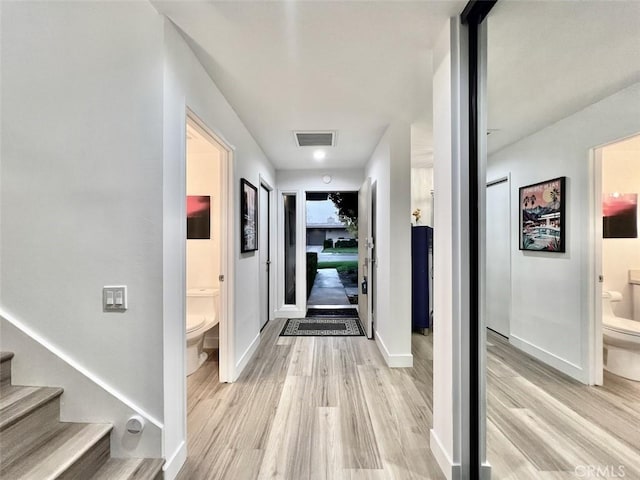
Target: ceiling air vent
[315,139]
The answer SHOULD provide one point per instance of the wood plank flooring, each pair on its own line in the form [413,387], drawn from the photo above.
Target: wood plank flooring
[329,408]
[545,425]
[311,408]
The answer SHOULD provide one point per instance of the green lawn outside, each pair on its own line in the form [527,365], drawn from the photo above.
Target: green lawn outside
[341,250]
[340,266]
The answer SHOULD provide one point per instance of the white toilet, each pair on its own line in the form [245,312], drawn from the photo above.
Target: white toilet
[621,339]
[202,316]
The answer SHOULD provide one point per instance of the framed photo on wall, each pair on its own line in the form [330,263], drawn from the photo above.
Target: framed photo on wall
[542,216]
[249,216]
[620,215]
[198,217]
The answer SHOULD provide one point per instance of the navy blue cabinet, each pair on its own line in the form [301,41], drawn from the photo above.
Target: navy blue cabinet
[421,276]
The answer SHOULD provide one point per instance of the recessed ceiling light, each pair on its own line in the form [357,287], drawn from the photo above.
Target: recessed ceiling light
[319,154]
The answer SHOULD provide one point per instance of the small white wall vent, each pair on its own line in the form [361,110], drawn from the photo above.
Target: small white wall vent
[315,139]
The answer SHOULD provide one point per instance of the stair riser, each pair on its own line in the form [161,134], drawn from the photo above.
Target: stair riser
[5,373]
[90,462]
[28,433]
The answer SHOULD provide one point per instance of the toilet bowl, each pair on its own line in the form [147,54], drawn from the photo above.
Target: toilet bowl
[621,339]
[202,316]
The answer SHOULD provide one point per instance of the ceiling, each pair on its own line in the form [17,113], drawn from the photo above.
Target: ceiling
[356,66]
[548,60]
[352,67]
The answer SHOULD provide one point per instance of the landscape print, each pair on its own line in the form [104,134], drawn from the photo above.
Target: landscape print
[542,208]
[620,215]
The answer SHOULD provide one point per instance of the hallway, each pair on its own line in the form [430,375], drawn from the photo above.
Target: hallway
[314,407]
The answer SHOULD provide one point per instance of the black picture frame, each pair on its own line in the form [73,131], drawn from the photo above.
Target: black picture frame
[248,216]
[542,208]
[198,217]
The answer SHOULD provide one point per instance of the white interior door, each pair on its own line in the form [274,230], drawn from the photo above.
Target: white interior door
[365,245]
[263,254]
[498,269]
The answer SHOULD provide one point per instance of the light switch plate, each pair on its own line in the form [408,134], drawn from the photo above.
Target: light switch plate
[114,298]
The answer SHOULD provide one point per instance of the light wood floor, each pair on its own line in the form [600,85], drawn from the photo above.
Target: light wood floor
[312,408]
[544,425]
[329,408]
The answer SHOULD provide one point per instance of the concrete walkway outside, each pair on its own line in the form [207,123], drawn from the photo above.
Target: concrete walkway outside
[328,289]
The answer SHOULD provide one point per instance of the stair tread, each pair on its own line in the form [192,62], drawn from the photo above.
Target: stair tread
[16,402]
[129,469]
[64,447]
[4,356]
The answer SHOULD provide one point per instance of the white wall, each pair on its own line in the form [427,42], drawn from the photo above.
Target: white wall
[188,85]
[342,180]
[389,168]
[81,189]
[421,188]
[621,173]
[451,411]
[203,255]
[444,407]
[550,292]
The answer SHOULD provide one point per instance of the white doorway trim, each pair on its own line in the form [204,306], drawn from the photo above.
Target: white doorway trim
[226,311]
[595,363]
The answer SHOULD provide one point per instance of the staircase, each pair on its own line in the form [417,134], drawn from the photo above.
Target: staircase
[35,445]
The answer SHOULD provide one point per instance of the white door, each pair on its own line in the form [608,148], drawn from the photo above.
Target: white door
[263,254]
[498,243]
[365,244]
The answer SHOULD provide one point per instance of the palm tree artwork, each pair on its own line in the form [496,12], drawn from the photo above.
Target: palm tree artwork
[542,216]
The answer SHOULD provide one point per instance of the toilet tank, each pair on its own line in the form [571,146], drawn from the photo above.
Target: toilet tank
[202,301]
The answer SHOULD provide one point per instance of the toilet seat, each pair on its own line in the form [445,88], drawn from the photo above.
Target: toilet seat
[622,325]
[194,322]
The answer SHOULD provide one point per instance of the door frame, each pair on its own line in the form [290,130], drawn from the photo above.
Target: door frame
[365,250]
[595,262]
[595,244]
[226,312]
[483,292]
[270,248]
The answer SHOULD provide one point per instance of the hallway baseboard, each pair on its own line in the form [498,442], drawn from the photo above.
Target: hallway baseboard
[550,359]
[246,357]
[393,360]
[450,470]
[175,462]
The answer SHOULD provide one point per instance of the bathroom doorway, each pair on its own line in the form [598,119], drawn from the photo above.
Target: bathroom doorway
[617,246]
[207,323]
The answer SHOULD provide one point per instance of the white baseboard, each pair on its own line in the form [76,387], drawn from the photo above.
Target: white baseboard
[174,463]
[246,356]
[485,471]
[550,359]
[404,360]
[451,471]
[289,313]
